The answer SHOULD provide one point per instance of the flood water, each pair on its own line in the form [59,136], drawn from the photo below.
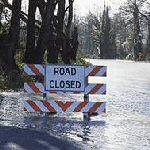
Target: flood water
[125,126]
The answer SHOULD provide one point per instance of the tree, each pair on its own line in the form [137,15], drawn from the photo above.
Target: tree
[133,8]
[89,33]
[14,34]
[46,37]
[53,32]
[120,30]
[1,11]
[66,52]
[30,46]
[106,47]
[136,30]
[74,45]
[145,13]
[148,38]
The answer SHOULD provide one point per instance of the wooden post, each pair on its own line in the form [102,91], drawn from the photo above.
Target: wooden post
[86,115]
[45,94]
[86,99]
[44,81]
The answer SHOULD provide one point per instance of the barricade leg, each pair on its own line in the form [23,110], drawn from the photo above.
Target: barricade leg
[86,115]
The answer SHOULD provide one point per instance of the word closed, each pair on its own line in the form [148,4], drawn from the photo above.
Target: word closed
[65,78]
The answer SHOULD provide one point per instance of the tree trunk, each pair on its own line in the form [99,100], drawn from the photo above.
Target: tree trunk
[14,34]
[148,40]
[30,47]
[137,36]
[52,52]
[60,42]
[59,34]
[41,5]
[66,56]
[105,40]
[46,32]
[61,15]
[75,45]
[1,11]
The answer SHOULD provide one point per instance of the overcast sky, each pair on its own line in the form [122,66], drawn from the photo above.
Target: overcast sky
[84,6]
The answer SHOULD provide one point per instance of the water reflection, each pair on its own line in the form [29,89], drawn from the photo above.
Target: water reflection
[126,125]
[79,129]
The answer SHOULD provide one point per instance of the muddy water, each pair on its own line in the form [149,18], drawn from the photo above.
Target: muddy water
[126,125]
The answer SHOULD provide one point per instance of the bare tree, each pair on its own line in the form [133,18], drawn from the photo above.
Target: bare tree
[134,7]
[14,34]
[30,46]
[46,38]
[54,32]
[66,53]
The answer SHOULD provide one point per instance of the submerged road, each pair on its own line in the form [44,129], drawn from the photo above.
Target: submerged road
[125,126]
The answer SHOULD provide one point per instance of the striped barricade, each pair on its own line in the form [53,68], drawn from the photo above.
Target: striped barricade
[59,106]
[35,69]
[100,71]
[64,107]
[37,88]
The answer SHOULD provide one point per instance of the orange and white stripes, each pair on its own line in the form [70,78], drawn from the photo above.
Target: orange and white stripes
[100,71]
[64,107]
[36,88]
[69,106]
[96,89]
[36,69]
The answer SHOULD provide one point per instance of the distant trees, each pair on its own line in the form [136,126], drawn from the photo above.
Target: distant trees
[107,38]
[97,36]
[122,30]
[133,10]
[122,36]
[148,39]
[89,33]
[136,29]
[146,15]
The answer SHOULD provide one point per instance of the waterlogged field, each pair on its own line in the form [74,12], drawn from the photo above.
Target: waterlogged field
[125,126]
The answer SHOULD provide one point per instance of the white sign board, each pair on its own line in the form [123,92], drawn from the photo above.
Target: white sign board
[65,78]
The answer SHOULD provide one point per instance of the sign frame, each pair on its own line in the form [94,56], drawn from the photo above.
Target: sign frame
[64,65]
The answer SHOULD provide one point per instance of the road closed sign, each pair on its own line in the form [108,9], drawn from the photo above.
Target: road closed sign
[65,78]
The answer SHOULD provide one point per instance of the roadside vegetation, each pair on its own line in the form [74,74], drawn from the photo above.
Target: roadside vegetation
[15,79]
[56,34]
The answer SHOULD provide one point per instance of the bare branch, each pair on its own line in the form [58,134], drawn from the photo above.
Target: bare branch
[69,6]
[23,15]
